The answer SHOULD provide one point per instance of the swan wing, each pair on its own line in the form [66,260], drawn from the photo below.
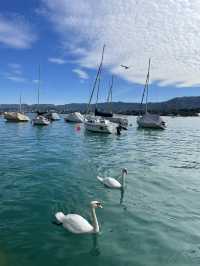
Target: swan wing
[77,224]
[111,182]
[60,216]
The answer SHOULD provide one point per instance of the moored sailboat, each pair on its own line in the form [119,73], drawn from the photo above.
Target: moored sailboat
[74,117]
[16,116]
[148,120]
[96,123]
[121,122]
[100,125]
[52,116]
[108,113]
[40,119]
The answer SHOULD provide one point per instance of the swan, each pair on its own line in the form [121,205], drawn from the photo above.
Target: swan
[77,224]
[111,182]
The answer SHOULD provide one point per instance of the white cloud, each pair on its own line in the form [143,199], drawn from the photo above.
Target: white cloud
[55,60]
[133,31]
[14,65]
[15,68]
[15,73]
[36,81]
[16,78]
[82,74]
[15,32]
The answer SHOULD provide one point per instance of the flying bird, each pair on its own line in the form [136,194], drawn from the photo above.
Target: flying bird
[126,67]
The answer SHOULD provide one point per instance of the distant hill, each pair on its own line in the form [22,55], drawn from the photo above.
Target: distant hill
[179,105]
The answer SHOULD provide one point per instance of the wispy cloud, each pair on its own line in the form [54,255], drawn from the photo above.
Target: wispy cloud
[14,65]
[15,68]
[36,81]
[81,73]
[133,31]
[56,60]
[15,78]
[14,73]
[15,32]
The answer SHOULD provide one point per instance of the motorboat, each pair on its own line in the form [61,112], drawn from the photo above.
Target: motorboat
[100,125]
[75,117]
[149,120]
[16,117]
[40,120]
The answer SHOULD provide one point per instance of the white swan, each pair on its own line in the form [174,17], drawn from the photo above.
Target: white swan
[77,224]
[112,182]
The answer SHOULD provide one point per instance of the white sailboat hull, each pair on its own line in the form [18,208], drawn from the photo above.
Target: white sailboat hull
[100,126]
[150,121]
[52,116]
[75,117]
[16,117]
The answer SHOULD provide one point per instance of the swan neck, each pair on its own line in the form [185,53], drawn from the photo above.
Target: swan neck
[95,221]
[123,179]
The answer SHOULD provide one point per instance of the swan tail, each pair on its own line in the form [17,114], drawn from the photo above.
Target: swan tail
[100,179]
[60,217]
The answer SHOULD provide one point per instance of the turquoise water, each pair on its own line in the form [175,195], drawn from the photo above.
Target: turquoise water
[48,169]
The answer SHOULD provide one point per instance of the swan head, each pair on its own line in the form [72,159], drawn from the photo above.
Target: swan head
[124,171]
[96,204]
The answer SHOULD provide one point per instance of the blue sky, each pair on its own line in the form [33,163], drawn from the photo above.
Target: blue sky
[66,37]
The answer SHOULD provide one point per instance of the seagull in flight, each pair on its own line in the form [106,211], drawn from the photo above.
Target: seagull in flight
[126,67]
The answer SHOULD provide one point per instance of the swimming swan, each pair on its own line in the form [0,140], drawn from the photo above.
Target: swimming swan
[111,182]
[77,224]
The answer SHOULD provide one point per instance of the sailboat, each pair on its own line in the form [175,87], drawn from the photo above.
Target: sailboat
[16,116]
[95,123]
[109,102]
[120,121]
[148,120]
[74,117]
[52,116]
[40,119]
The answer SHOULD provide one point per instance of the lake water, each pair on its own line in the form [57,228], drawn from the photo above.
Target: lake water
[48,169]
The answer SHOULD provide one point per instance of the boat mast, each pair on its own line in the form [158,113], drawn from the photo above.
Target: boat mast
[98,87]
[20,102]
[38,96]
[96,79]
[147,86]
[109,99]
